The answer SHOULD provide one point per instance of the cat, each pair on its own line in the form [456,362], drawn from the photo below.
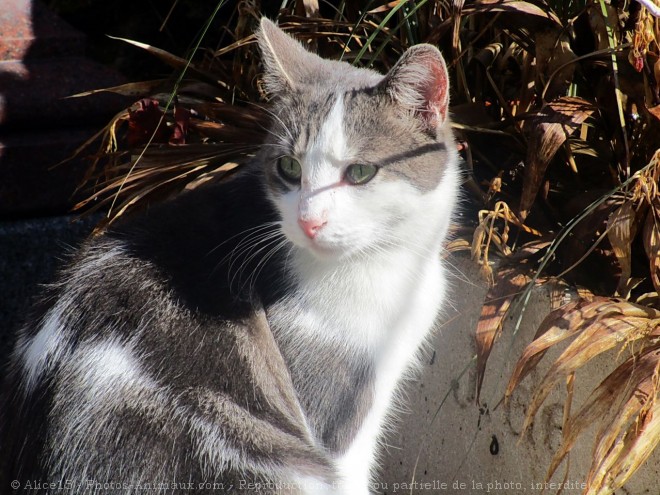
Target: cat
[250,336]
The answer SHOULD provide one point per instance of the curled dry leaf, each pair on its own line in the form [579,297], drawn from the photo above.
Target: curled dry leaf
[547,131]
[621,230]
[514,6]
[493,229]
[487,55]
[488,233]
[643,36]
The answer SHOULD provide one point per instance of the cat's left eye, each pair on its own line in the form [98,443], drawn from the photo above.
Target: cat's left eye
[360,173]
[289,168]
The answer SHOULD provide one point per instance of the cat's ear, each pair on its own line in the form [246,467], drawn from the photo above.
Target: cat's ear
[419,82]
[287,63]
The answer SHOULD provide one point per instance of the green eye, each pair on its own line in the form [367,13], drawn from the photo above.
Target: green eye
[360,173]
[289,168]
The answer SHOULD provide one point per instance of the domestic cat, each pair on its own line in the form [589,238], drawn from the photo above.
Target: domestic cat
[249,336]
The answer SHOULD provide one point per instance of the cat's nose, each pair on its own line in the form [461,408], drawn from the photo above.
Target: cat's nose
[311,226]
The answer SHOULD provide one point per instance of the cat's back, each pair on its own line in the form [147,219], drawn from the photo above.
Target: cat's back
[146,340]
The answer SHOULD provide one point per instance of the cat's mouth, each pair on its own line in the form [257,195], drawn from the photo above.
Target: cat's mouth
[325,250]
[322,249]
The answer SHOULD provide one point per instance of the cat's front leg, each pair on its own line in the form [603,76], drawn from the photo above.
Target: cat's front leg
[305,485]
[355,465]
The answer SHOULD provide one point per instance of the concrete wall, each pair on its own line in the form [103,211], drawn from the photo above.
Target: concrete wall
[443,442]
[445,438]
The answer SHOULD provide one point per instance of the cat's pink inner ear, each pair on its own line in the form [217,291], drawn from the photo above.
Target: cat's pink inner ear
[419,82]
[436,92]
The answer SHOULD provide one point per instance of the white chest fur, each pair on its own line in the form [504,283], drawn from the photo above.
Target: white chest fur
[384,307]
[409,324]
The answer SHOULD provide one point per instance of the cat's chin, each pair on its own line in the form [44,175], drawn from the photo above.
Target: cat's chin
[326,252]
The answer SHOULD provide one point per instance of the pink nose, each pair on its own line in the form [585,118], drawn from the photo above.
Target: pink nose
[312,226]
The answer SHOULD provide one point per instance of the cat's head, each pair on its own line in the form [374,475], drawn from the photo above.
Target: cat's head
[357,161]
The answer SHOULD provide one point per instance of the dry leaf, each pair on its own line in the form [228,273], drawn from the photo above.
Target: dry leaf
[173,61]
[621,230]
[547,131]
[385,8]
[514,6]
[135,89]
[509,283]
[212,175]
[611,405]
[599,326]
[632,433]
[595,339]
[555,328]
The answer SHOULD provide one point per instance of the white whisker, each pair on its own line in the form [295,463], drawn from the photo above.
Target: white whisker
[266,243]
[260,226]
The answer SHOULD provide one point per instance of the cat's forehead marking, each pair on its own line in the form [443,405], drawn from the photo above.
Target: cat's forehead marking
[306,117]
[330,143]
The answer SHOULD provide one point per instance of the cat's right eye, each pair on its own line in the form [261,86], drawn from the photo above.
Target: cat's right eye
[289,168]
[359,173]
